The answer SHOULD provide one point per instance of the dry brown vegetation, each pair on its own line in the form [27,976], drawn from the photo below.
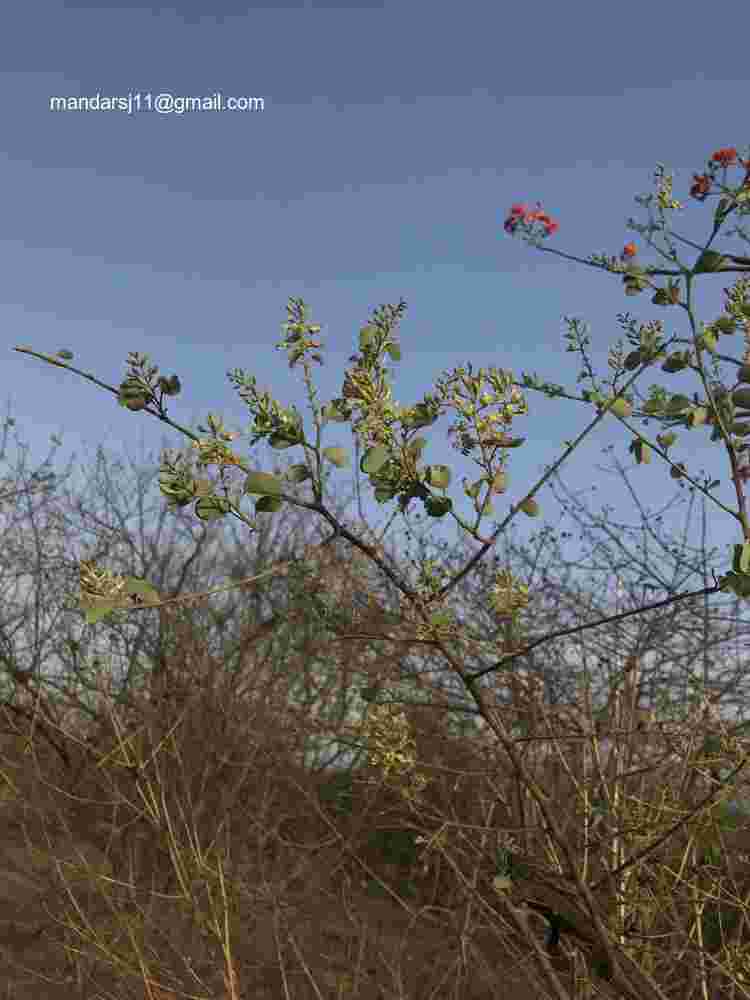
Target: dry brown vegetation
[175,840]
[177,847]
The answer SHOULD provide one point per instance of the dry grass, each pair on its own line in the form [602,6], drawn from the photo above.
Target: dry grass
[178,848]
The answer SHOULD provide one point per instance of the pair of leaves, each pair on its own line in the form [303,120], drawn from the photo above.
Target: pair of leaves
[134,592]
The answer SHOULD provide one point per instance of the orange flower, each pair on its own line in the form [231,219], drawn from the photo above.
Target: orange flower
[701,186]
[725,157]
[519,213]
[545,220]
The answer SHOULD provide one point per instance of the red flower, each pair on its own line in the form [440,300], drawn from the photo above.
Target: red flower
[701,187]
[725,157]
[518,209]
[519,213]
[629,250]
[545,220]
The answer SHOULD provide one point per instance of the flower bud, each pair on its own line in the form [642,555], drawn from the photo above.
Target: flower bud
[530,507]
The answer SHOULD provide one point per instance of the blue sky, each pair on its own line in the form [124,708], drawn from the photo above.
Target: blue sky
[393,139]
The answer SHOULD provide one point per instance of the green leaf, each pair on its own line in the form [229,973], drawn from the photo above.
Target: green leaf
[439,618]
[653,406]
[384,493]
[499,482]
[708,262]
[96,611]
[394,351]
[707,341]
[337,792]
[135,403]
[677,404]
[722,209]
[711,745]
[725,324]
[263,482]
[337,410]
[421,416]
[601,967]
[439,476]
[169,386]
[438,506]
[267,505]
[374,459]
[298,473]
[741,559]
[621,408]
[712,855]
[211,508]
[472,489]
[633,360]
[737,583]
[65,354]
[634,285]
[666,441]
[337,456]
[416,447]
[483,507]
[676,362]
[641,451]
[697,417]
[96,607]
[281,441]
[148,593]
[366,336]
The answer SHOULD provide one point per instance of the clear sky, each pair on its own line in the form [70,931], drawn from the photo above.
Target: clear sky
[393,139]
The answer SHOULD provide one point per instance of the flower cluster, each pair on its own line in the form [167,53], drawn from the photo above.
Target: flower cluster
[520,214]
[702,183]
[392,748]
